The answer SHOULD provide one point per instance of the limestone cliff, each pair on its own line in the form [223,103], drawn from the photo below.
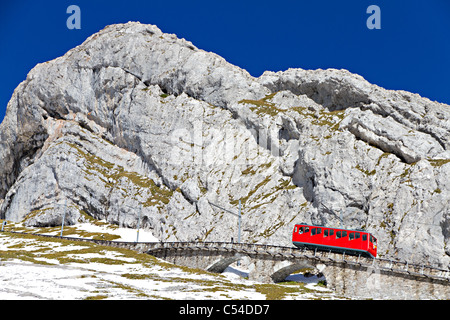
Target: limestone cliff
[138,124]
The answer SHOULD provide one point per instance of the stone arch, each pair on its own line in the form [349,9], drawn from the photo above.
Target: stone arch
[284,268]
[219,265]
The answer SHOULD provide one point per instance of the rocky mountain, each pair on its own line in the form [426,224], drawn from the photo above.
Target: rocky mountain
[135,124]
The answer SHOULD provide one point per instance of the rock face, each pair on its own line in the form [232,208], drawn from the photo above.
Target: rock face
[136,124]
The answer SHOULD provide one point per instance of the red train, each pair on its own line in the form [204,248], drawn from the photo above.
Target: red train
[335,239]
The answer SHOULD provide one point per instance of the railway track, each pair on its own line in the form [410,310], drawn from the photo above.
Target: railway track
[288,253]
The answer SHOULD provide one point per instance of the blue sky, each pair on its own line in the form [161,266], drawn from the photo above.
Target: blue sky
[411,51]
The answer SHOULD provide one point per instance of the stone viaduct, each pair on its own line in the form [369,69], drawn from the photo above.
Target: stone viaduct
[348,275]
[352,276]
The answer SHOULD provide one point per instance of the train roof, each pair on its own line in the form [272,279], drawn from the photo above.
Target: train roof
[322,226]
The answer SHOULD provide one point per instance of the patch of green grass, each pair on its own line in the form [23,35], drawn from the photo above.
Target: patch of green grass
[272,229]
[28,256]
[438,162]
[279,291]
[252,192]
[96,297]
[263,106]
[71,231]
[323,117]
[366,172]
[137,276]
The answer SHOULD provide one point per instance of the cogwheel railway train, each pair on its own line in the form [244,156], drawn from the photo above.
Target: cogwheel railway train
[335,239]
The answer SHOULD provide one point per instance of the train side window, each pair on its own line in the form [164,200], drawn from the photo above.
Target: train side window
[338,234]
[313,231]
[344,234]
[358,235]
[301,230]
[306,229]
[319,230]
[331,232]
[351,236]
[325,233]
[364,236]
